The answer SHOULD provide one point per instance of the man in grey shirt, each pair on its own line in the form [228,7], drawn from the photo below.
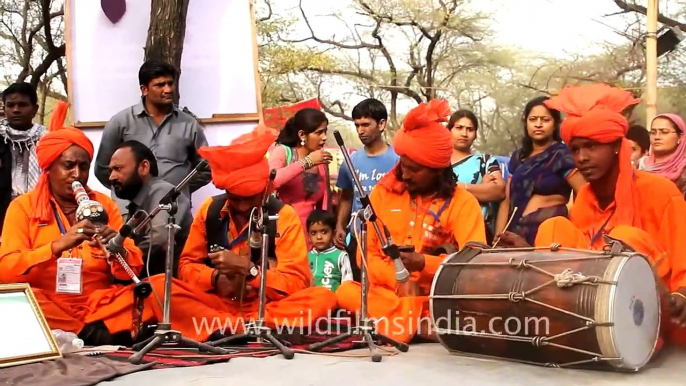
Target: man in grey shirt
[133,176]
[173,135]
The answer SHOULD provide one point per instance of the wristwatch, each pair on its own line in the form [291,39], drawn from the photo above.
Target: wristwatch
[252,274]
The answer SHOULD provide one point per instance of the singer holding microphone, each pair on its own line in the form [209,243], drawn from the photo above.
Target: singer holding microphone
[64,261]
[427,215]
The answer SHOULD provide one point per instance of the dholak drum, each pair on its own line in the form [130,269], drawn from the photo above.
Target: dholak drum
[553,306]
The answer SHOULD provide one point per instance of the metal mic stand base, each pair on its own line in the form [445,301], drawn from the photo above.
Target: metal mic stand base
[260,332]
[257,329]
[367,332]
[365,328]
[164,335]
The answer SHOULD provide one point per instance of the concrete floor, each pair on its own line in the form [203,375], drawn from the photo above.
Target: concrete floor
[426,363]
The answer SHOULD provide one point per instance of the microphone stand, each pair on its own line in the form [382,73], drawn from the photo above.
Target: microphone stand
[164,334]
[258,329]
[366,327]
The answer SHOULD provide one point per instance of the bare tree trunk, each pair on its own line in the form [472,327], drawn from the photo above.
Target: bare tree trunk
[166,34]
[43,88]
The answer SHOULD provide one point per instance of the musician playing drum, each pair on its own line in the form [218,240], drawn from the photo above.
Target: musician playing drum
[424,208]
[64,263]
[643,210]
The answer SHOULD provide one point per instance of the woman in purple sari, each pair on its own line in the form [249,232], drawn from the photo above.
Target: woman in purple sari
[542,174]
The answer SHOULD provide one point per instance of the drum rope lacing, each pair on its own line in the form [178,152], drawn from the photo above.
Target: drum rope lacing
[567,278]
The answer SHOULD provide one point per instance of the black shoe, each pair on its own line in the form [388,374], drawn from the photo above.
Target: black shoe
[96,334]
[215,336]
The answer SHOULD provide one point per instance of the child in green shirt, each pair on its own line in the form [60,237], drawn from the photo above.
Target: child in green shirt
[330,266]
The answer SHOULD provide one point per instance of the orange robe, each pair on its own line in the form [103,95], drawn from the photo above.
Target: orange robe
[291,302]
[26,257]
[400,317]
[663,238]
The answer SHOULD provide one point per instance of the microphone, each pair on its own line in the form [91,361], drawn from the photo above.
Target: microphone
[88,209]
[176,191]
[116,244]
[401,273]
[255,241]
[391,250]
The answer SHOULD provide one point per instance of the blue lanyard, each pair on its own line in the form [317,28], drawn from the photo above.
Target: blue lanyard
[241,237]
[58,220]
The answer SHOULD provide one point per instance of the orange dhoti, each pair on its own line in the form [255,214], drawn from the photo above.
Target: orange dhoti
[562,231]
[299,310]
[399,318]
[195,314]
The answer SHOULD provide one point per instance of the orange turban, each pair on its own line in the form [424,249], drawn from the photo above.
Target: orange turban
[595,112]
[49,149]
[241,168]
[423,138]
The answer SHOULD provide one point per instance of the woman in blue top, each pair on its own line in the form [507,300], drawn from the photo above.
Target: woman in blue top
[479,173]
[542,174]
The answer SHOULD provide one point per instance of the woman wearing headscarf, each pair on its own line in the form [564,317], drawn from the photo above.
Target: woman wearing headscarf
[667,156]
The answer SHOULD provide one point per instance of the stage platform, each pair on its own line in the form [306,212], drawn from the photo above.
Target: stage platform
[423,364]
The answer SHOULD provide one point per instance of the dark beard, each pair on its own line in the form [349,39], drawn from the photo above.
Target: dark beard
[129,189]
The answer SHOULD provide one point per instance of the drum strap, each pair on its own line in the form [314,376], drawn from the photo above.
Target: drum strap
[602,228]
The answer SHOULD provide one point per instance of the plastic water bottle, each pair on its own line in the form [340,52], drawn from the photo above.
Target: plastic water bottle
[67,341]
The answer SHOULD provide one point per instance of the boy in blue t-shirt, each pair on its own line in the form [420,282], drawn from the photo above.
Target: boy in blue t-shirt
[370,164]
[329,265]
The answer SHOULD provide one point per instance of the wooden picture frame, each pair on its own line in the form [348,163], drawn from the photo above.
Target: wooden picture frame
[256,117]
[25,336]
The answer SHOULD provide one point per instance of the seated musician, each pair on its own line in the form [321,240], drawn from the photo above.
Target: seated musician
[643,210]
[133,176]
[422,207]
[43,241]
[230,276]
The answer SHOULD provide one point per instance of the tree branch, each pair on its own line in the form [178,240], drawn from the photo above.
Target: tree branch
[45,10]
[334,43]
[49,59]
[269,12]
[644,11]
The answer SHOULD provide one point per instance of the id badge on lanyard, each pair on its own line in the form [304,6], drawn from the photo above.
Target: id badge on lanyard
[69,269]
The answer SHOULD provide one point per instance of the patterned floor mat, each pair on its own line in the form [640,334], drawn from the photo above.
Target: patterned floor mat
[298,341]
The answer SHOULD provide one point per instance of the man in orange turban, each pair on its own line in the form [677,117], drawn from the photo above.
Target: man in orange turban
[424,209]
[44,245]
[643,210]
[230,276]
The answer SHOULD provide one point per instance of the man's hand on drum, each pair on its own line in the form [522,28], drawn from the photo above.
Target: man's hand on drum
[413,261]
[677,308]
[511,240]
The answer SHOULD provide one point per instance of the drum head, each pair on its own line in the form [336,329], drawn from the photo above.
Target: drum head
[635,312]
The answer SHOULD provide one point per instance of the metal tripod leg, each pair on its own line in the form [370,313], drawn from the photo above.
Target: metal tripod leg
[402,347]
[376,355]
[331,341]
[256,332]
[367,332]
[165,335]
